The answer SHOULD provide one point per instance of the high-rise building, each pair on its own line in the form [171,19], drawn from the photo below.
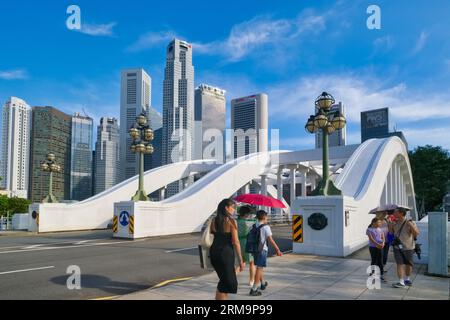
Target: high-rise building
[16,126]
[154,160]
[81,157]
[209,115]
[375,124]
[178,107]
[107,159]
[135,97]
[250,123]
[337,138]
[50,133]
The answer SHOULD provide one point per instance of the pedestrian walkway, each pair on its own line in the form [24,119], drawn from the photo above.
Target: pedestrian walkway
[301,277]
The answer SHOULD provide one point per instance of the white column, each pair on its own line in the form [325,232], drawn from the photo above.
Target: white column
[162,193]
[293,170]
[303,180]
[313,179]
[280,187]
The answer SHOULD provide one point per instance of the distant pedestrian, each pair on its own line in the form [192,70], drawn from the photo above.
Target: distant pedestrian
[244,222]
[376,244]
[222,251]
[405,231]
[262,233]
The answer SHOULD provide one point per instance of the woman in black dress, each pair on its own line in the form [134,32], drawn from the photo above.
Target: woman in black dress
[226,238]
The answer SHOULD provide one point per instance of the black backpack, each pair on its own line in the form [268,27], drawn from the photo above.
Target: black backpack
[254,245]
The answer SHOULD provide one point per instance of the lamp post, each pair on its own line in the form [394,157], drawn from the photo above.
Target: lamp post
[49,165]
[328,121]
[142,135]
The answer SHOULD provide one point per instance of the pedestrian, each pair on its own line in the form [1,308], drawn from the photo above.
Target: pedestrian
[264,235]
[405,231]
[244,222]
[223,248]
[387,237]
[376,245]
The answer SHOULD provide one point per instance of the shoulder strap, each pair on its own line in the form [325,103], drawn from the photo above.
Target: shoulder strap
[401,229]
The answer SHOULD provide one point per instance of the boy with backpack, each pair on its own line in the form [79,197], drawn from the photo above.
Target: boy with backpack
[257,240]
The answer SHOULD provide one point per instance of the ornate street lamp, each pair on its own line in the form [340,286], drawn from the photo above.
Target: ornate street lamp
[49,165]
[142,135]
[327,121]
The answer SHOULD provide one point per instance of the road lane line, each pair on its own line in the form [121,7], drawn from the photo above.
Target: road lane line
[105,298]
[161,284]
[70,247]
[184,249]
[26,270]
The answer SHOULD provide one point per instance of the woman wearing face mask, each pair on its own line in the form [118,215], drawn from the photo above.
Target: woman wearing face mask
[226,242]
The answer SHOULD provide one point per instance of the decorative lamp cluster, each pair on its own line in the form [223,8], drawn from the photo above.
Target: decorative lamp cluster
[328,121]
[142,135]
[50,165]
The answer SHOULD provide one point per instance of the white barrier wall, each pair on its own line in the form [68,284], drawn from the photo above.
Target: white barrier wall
[423,240]
[20,221]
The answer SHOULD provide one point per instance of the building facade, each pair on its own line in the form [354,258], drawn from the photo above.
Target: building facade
[178,107]
[209,119]
[15,159]
[337,138]
[81,157]
[154,160]
[107,157]
[50,133]
[135,97]
[249,123]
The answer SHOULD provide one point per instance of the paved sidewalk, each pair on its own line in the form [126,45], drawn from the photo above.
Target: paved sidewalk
[301,277]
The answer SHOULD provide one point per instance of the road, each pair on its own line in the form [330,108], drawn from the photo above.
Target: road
[34,267]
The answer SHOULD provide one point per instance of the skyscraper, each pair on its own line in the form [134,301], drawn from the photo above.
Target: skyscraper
[337,138]
[135,97]
[178,107]
[107,161]
[154,160]
[50,133]
[209,115]
[16,126]
[250,123]
[81,157]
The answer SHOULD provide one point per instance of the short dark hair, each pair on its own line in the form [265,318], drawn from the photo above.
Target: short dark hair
[261,214]
[245,211]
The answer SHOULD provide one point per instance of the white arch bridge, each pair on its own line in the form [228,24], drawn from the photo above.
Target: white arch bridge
[373,173]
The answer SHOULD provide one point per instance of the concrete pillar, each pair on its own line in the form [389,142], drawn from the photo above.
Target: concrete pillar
[162,193]
[264,185]
[303,180]
[437,243]
[279,187]
[293,184]
[383,199]
[313,179]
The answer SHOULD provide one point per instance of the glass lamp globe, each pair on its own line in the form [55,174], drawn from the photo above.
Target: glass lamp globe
[149,135]
[149,149]
[51,157]
[141,119]
[320,121]
[339,122]
[134,133]
[325,101]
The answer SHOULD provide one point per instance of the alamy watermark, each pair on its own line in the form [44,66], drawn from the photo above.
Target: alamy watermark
[374,279]
[374,20]
[74,280]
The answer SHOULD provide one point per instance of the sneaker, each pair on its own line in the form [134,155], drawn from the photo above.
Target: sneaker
[398,285]
[264,285]
[255,293]
[408,283]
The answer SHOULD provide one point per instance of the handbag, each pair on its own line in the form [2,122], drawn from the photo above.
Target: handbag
[204,246]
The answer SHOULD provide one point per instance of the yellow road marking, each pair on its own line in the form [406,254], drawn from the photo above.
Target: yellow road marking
[170,281]
[105,298]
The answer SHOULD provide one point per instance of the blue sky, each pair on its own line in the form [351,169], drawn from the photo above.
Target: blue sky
[292,50]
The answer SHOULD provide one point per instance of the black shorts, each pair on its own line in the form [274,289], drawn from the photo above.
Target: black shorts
[404,257]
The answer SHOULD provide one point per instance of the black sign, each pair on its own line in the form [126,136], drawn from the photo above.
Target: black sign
[318,221]
[34,215]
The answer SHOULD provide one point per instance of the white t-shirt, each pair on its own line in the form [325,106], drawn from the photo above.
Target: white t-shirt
[265,233]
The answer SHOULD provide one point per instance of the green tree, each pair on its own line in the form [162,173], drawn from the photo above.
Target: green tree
[430,167]
[18,205]
[4,205]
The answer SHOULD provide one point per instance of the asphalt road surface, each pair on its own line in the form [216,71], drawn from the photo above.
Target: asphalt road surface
[35,267]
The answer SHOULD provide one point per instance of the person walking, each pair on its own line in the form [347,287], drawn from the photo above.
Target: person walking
[376,244]
[244,222]
[265,235]
[405,231]
[223,248]
[385,226]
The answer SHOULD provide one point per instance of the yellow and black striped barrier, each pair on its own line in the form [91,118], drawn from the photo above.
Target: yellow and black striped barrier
[297,228]
[115,224]
[131,225]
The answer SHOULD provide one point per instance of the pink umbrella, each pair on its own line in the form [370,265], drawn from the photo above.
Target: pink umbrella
[260,200]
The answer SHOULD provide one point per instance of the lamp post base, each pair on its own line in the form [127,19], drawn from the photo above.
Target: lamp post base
[326,188]
[50,199]
[140,196]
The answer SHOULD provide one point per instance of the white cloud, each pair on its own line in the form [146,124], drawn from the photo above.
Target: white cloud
[261,31]
[420,42]
[152,39]
[98,30]
[17,74]
[432,136]
[384,43]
